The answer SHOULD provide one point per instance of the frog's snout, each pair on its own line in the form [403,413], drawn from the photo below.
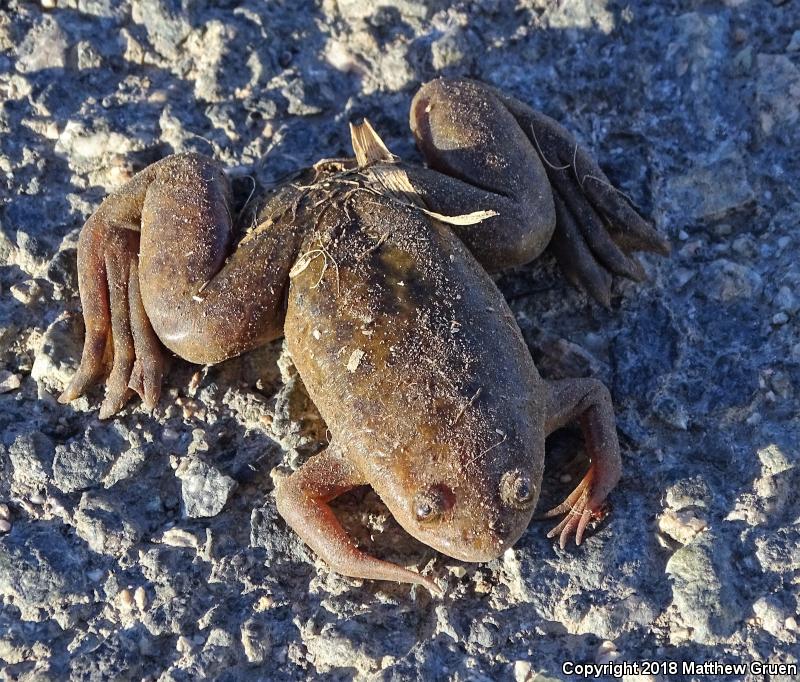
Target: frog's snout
[478,536]
[479,542]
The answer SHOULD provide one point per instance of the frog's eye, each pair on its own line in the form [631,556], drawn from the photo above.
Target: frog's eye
[431,503]
[517,489]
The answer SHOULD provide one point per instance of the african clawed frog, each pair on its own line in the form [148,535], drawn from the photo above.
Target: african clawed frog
[401,337]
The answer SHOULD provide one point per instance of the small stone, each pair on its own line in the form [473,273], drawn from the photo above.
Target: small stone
[606,653]
[9,381]
[95,575]
[192,409]
[714,186]
[256,641]
[183,645]
[204,489]
[744,246]
[703,590]
[522,671]
[5,512]
[772,615]
[780,318]
[177,537]
[264,603]
[774,459]
[778,95]
[44,47]
[31,456]
[101,520]
[166,25]
[786,301]
[58,353]
[681,525]
[125,599]
[728,281]
[140,598]
[458,571]
[5,526]
[27,292]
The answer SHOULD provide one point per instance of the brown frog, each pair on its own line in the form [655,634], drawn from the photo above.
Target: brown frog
[402,339]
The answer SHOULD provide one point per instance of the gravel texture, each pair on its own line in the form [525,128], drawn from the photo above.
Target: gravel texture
[148,546]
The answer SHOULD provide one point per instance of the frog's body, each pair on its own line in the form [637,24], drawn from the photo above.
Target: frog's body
[403,341]
[406,324]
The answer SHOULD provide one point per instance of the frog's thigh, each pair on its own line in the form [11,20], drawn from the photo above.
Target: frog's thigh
[201,307]
[466,133]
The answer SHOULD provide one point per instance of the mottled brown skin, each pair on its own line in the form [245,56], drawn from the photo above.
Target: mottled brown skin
[403,341]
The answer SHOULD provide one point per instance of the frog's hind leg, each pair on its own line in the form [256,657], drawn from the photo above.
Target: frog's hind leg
[479,158]
[473,133]
[593,215]
[153,264]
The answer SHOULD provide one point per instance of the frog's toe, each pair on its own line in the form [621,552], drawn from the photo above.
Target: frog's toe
[96,313]
[576,259]
[118,262]
[118,331]
[603,247]
[148,368]
[629,228]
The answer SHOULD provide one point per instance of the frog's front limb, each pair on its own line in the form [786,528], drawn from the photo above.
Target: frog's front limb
[491,151]
[589,401]
[153,264]
[302,499]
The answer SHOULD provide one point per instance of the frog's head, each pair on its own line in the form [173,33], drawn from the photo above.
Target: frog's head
[471,507]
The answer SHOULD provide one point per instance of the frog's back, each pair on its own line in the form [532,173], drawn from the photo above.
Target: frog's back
[405,344]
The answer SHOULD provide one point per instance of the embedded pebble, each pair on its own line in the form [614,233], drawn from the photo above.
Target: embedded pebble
[204,489]
[681,525]
[704,589]
[9,381]
[140,598]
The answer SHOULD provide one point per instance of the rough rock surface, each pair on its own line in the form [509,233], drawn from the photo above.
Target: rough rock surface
[148,546]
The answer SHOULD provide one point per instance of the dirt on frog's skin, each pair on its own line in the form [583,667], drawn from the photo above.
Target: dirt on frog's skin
[149,546]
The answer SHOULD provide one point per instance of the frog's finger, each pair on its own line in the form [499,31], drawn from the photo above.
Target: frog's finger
[597,237]
[302,500]
[148,368]
[96,313]
[118,257]
[576,260]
